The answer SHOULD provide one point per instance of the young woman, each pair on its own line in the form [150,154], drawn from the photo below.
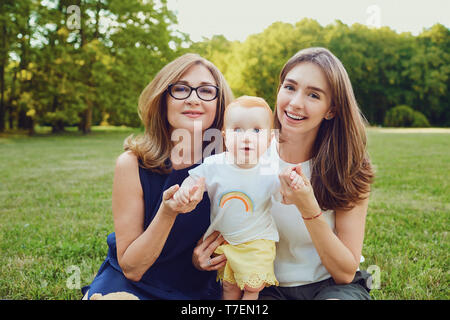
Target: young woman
[150,253]
[321,227]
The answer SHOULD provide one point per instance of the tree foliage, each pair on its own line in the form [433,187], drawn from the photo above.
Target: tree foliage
[386,68]
[78,63]
[405,116]
[84,62]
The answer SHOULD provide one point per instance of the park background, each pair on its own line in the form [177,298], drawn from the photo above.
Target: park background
[70,76]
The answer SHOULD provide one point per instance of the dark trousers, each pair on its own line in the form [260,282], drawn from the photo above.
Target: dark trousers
[326,289]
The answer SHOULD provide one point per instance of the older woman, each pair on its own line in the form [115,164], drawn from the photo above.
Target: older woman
[150,253]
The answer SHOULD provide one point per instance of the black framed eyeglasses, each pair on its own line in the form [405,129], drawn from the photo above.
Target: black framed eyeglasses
[183,91]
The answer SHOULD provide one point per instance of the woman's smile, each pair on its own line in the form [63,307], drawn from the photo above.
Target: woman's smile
[193,114]
[294,118]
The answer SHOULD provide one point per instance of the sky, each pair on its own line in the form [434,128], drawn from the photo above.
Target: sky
[237,19]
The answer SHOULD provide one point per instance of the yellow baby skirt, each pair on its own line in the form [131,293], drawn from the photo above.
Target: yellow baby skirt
[249,263]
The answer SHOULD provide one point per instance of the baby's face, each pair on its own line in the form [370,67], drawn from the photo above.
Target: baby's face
[247,133]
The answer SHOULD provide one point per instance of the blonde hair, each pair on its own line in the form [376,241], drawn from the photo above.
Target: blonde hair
[249,102]
[341,170]
[154,147]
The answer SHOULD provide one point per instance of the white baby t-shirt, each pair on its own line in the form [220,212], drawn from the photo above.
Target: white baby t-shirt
[240,199]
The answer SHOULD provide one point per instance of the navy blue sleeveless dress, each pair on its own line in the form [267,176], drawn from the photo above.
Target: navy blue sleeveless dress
[172,275]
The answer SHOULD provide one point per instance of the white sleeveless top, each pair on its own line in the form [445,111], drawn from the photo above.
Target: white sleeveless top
[297,261]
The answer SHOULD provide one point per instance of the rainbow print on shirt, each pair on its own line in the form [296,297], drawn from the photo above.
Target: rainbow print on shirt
[237,195]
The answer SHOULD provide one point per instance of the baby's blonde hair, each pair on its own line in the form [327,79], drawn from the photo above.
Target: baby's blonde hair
[250,102]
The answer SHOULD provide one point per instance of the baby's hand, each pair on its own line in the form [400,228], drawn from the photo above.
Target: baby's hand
[294,184]
[184,197]
[181,197]
[296,180]
[297,189]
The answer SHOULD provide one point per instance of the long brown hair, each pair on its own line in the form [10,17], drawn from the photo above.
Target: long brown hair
[341,171]
[154,147]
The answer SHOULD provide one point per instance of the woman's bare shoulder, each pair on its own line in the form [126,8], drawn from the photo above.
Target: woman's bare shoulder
[127,159]
[127,172]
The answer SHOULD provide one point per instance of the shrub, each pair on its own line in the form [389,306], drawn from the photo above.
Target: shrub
[405,116]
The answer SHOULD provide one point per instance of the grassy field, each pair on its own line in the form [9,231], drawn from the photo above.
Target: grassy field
[55,212]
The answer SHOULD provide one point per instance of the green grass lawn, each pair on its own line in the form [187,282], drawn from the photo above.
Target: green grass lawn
[55,212]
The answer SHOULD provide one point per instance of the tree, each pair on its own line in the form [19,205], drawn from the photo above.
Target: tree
[386,68]
[6,7]
[15,40]
[140,45]
[52,73]
[429,71]
[61,75]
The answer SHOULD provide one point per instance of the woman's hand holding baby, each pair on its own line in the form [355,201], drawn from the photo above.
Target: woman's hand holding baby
[185,198]
[297,189]
[203,256]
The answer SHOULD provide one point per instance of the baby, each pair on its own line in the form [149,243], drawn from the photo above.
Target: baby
[240,194]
